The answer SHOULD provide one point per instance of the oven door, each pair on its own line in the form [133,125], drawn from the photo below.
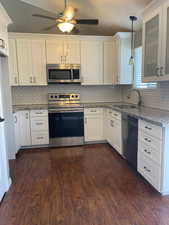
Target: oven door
[65,126]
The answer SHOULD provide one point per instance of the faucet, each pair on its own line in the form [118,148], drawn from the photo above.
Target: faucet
[139,96]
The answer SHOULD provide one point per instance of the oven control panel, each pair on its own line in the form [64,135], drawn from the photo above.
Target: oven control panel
[63,98]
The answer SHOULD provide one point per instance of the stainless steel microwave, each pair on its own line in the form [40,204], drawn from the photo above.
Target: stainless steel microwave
[61,73]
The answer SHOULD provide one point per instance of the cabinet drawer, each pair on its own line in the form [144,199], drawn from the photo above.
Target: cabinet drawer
[150,171]
[149,140]
[37,113]
[150,129]
[39,123]
[114,114]
[151,152]
[40,138]
[93,111]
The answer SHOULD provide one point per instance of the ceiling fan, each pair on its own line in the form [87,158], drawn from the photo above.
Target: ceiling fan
[66,20]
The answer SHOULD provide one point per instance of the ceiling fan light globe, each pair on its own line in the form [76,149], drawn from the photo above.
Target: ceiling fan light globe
[66,27]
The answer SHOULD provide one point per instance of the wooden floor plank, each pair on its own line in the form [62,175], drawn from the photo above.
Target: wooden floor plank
[88,185]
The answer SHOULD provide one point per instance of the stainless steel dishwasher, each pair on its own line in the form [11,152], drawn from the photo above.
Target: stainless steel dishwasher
[130,139]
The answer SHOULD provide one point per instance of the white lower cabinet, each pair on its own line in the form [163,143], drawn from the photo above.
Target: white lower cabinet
[25,131]
[113,129]
[40,138]
[31,128]
[17,131]
[39,127]
[153,155]
[93,124]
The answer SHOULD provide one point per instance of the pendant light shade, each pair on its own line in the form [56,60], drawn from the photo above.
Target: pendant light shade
[131,60]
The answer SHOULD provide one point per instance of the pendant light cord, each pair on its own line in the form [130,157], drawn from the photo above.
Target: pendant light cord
[65,4]
[132,39]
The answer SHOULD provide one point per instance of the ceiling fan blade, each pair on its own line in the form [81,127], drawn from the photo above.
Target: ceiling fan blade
[50,27]
[88,21]
[44,17]
[76,31]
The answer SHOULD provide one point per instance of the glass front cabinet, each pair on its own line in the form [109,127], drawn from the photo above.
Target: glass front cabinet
[155,66]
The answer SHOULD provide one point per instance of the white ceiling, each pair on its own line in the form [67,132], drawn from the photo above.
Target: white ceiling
[112,14]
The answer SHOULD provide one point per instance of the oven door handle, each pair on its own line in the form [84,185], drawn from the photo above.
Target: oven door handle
[65,111]
[71,74]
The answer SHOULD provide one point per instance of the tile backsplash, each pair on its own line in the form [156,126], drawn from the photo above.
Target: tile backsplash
[155,98]
[39,95]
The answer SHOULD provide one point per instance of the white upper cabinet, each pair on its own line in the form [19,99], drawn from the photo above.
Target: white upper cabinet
[27,62]
[63,51]
[108,63]
[123,72]
[72,51]
[4,22]
[92,62]
[13,63]
[24,62]
[156,43]
[39,62]
[55,51]
[152,25]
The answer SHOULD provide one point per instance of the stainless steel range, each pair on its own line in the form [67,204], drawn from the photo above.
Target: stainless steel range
[66,120]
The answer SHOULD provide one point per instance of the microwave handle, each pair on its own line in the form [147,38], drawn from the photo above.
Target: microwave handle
[71,74]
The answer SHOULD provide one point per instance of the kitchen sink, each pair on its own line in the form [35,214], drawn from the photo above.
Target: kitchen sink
[126,106]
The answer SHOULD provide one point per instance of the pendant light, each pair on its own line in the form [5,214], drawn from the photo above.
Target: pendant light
[131,60]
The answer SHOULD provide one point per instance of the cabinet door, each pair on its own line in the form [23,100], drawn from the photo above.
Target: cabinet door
[92,62]
[39,62]
[25,61]
[72,52]
[55,51]
[111,134]
[152,29]
[13,63]
[17,130]
[93,128]
[116,60]
[117,144]
[108,74]
[4,48]
[164,72]
[25,135]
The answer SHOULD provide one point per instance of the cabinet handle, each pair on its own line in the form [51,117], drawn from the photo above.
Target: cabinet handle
[61,59]
[27,115]
[16,119]
[161,70]
[93,110]
[146,139]
[147,151]
[112,123]
[149,128]
[148,170]
[115,114]
[31,81]
[2,43]
[39,123]
[40,138]
[157,70]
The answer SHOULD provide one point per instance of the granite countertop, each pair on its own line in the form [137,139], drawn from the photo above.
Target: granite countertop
[156,116]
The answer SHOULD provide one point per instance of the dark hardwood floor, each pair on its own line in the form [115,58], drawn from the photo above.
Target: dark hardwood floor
[90,185]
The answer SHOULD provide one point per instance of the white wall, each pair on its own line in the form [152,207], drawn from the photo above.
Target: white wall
[155,98]
[39,95]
